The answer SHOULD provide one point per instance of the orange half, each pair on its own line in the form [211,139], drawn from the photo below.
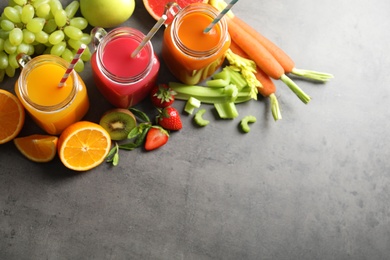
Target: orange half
[83,146]
[12,116]
[37,148]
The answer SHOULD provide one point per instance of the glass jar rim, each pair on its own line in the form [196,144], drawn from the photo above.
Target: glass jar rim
[40,61]
[211,12]
[124,32]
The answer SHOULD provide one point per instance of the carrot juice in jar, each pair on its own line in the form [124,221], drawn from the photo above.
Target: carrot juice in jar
[190,54]
[52,107]
[122,79]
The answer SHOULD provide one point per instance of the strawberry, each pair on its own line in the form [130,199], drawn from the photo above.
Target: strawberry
[169,118]
[155,138]
[162,96]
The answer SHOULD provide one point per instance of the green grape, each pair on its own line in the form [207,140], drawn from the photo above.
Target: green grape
[12,14]
[3,34]
[23,48]
[1,44]
[10,71]
[86,56]
[31,50]
[72,8]
[3,60]
[12,61]
[42,37]
[58,49]
[43,10]
[28,37]
[19,9]
[2,74]
[8,47]
[20,2]
[27,14]
[37,3]
[73,32]
[39,48]
[16,36]
[86,38]
[74,44]
[79,22]
[60,18]
[79,67]
[55,6]
[56,37]
[7,25]
[50,26]
[35,25]
[67,55]
[47,50]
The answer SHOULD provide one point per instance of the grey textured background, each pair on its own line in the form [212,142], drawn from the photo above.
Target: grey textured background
[314,185]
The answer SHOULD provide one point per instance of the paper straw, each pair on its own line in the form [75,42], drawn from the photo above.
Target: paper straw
[219,17]
[150,34]
[72,64]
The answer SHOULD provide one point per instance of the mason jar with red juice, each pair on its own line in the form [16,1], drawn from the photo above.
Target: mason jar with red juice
[122,79]
[191,54]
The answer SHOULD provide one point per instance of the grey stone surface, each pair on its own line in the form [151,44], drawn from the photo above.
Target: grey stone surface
[314,185]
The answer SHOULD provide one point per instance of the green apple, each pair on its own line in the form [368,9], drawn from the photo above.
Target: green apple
[106,13]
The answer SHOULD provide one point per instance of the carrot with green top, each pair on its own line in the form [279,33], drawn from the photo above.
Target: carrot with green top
[263,58]
[285,60]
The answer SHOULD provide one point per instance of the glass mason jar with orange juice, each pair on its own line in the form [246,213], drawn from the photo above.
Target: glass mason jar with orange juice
[52,107]
[191,54]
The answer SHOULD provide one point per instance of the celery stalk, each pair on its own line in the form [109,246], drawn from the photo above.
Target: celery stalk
[226,110]
[210,95]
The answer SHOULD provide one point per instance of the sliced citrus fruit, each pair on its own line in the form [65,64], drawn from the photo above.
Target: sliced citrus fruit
[11,116]
[156,7]
[37,148]
[83,145]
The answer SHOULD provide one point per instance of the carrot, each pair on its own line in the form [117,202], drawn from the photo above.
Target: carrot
[285,61]
[263,58]
[257,52]
[267,88]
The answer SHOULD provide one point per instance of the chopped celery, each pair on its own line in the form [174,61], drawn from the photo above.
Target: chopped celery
[247,68]
[223,74]
[198,118]
[217,83]
[226,110]
[236,78]
[245,121]
[191,104]
[210,95]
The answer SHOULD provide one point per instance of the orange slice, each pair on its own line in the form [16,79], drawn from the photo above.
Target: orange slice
[37,148]
[11,116]
[83,145]
[156,7]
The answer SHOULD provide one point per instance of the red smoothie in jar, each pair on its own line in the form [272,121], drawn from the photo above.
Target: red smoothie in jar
[124,81]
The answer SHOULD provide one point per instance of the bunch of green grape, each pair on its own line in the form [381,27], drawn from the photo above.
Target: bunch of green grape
[37,27]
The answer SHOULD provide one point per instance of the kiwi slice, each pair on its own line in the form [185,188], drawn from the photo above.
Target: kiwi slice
[118,122]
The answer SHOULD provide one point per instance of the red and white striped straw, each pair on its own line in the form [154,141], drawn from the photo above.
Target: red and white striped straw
[72,64]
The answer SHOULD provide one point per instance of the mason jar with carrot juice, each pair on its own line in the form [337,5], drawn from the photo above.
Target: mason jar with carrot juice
[52,107]
[191,54]
[122,79]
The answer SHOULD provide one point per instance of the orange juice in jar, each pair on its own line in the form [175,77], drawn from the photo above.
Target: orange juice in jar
[191,54]
[52,107]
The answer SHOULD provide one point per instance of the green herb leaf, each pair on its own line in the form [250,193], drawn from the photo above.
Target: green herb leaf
[141,115]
